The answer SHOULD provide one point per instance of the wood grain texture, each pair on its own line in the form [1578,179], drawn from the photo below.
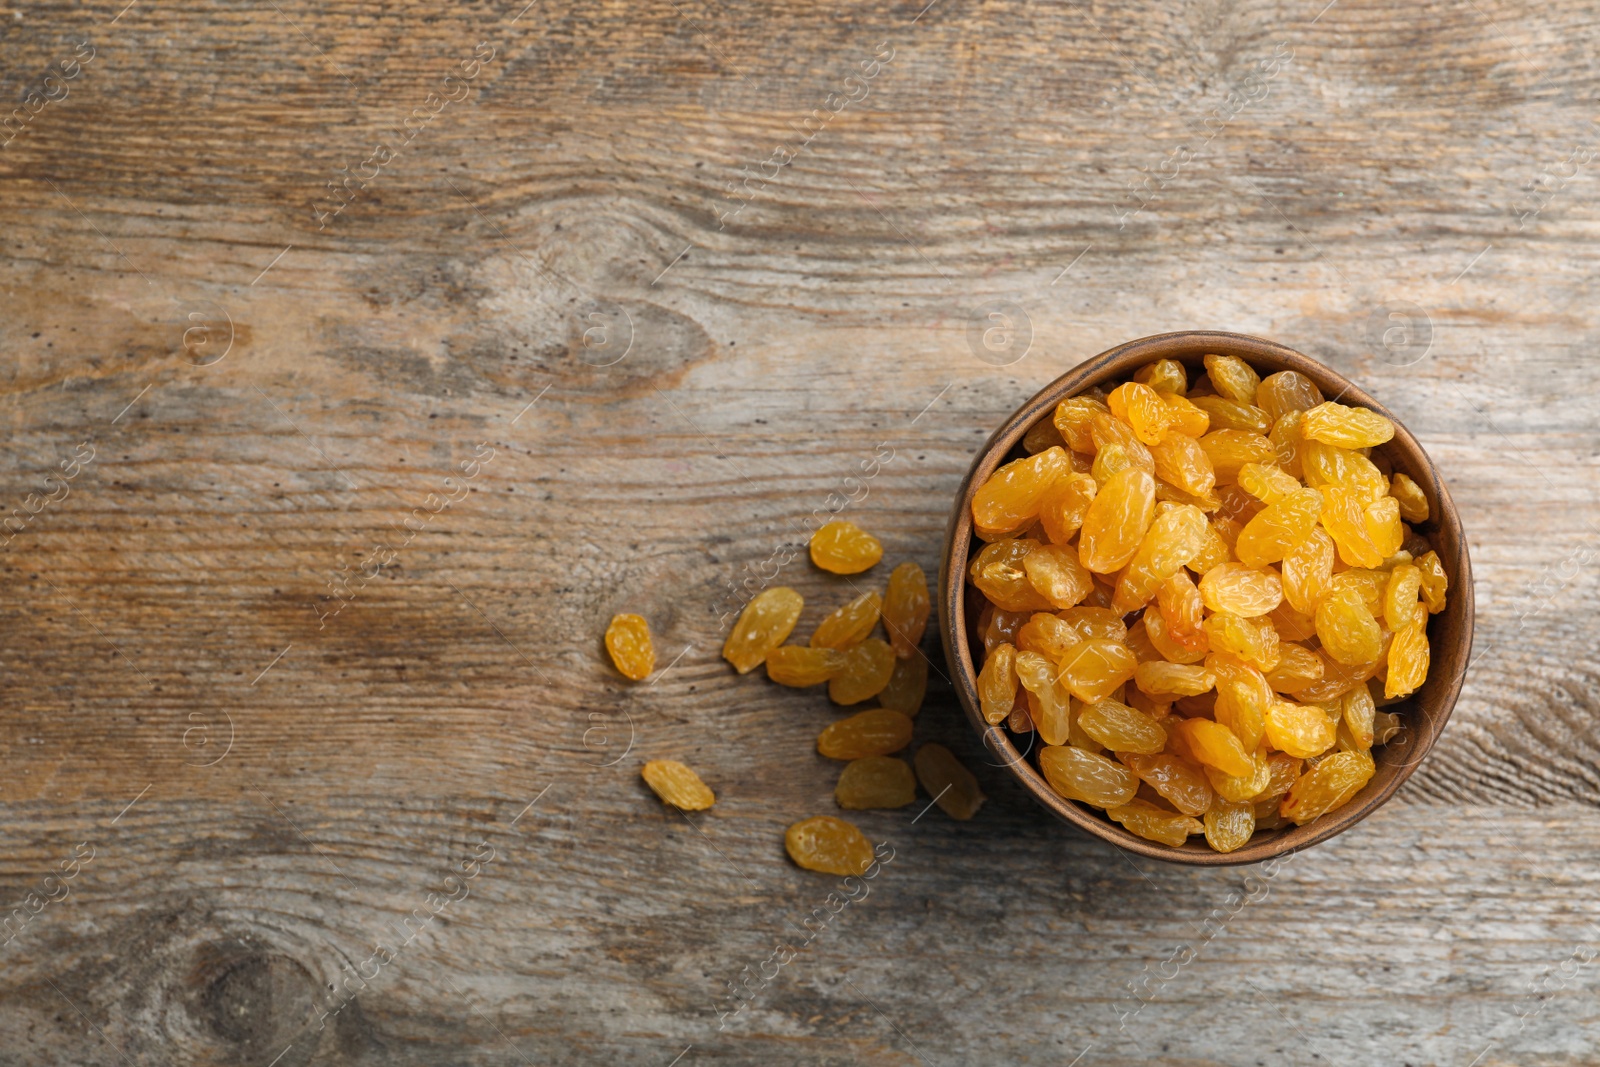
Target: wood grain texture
[1408,197]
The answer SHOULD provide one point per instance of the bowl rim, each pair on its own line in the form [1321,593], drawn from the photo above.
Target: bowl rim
[1120,361]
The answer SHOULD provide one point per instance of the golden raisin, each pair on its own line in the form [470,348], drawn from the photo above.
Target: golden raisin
[1308,571]
[1011,498]
[1152,823]
[1280,528]
[1228,825]
[905,608]
[1080,775]
[1408,658]
[1233,378]
[1064,507]
[1230,450]
[1299,729]
[875,782]
[1073,419]
[997,684]
[1051,705]
[1214,745]
[1181,462]
[1241,590]
[1056,574]
[801,665]
[1187,418]
[1179,782]
[1164,376]
[1253,640]
[1094,668]
[764,624]
[828,845]
[628,641]
[950,784]
[849,623]
[677,785]
[1172,680]
[1139,406]
[1286,391]
[1346,628]
[1120,728]
[1267,483]
[908,684]
[866,671]
[1174,538]
[1329,785]
[844,548]
[1117,521]
[1345,427]
[1413,501]
[1243,697]
[1000,574]
[1180,606]
[868,733]
[1434,582]
[1224,414]
[1400,596]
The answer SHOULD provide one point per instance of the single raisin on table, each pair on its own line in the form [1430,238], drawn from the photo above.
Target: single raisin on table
[844,548]
[828,845]
[875,782]
[868,733]
[905,609]
[867,668]
[951,785]
[764,624]
[908,684]
[628,641]
[801,665]
[849,623]
[677,785]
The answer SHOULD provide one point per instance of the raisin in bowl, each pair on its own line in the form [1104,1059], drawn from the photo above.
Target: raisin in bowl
[1206,599]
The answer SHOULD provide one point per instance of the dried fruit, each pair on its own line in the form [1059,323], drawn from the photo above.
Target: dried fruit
[1180,605]
[908,684]
[1413,501]
[1049,635]
[1214,745]
[801,665]
[628,641]
[844,548]
[1233,378]
[828,845]
[867,733]
[997,683]
[1117,521]
[1173,539]
[1172,680]
[1064,507]
[875,782]
[848,624]
[1141,408]
[950,784]
[1345,427]
[1308,572]
[1093,669]
[1267,483]
[1286,391]
[866,671]
[1346,628]
[1299,729]
[1182,463]
[1243,697]
[1408,658]
[1230,450]
[1120,728]
[1297,668]
[1011,498]
[1240,788]
[1080,775]
[764,624]
[1179,782]
[1228,825]
[1434,582]
[1224,414]
[1241,590]
[1344,516]
[1154,824]
[677,785]
[1280,528]
[1400,596]
[1073,418]
[1164,376]
[1051,705]
[1359,712]
[1000,574]
[1056,574]
[905,608]
[1330,785]
[1252,640]
[1187,419]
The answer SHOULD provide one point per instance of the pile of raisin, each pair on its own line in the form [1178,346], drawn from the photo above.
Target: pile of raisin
[1200,595]
[843,653]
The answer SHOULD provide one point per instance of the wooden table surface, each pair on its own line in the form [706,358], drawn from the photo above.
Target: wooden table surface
[359,363]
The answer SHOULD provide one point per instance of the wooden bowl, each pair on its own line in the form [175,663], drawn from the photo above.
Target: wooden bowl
[1449,632]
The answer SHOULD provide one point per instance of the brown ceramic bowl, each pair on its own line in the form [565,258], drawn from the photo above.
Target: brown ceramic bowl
[1449,632]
